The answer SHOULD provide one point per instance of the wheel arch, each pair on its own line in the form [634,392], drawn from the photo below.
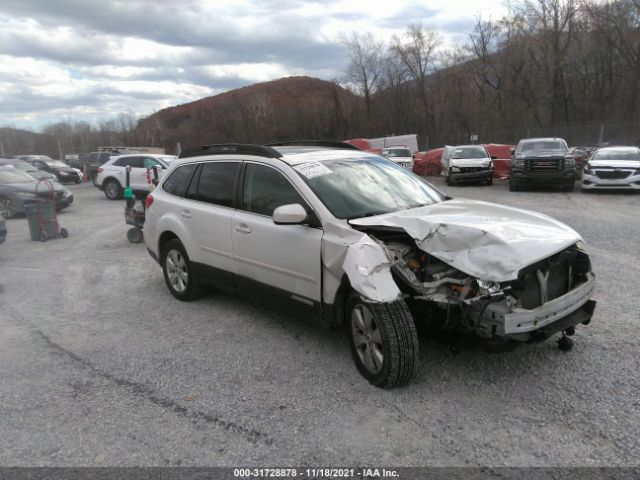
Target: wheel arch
[164,238]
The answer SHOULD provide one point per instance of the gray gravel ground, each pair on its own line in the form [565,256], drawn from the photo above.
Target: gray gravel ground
[99,365]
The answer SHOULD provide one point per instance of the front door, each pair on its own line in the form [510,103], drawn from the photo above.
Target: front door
[279,261]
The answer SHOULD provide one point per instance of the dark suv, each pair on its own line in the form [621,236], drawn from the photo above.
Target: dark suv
[542,161]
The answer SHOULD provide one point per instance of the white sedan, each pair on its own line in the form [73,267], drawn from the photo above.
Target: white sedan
[614,168]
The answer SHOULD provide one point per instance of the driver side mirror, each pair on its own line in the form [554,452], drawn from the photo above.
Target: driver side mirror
[292,214]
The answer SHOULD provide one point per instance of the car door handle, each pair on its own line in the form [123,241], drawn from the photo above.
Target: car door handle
[242,228]
[186,214]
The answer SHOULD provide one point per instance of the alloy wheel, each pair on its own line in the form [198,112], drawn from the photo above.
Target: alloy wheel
[367,338]
[177,271]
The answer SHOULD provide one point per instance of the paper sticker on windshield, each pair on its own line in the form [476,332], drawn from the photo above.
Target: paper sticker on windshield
[313,170]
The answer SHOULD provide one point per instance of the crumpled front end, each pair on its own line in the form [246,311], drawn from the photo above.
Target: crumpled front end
[550,296]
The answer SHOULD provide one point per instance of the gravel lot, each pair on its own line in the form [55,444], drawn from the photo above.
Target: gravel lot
[99,365]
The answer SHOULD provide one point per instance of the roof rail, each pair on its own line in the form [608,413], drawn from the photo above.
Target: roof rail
[234,148]
[314,143]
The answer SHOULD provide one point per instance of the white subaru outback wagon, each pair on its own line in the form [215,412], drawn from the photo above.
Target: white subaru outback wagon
[357,240]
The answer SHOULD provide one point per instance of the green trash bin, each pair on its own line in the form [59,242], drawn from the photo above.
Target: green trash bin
[48,218]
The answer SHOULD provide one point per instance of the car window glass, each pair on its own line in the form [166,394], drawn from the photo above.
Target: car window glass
[216,182]
[134,162]
[177,182]
[266,189]
[151,162]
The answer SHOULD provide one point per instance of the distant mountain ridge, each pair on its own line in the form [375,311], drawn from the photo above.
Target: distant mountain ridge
[283,109]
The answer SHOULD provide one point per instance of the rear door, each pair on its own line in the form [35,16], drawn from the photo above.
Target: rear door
[207,213]
[277,261]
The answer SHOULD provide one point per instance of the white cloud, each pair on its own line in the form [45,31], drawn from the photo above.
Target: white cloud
[65,58]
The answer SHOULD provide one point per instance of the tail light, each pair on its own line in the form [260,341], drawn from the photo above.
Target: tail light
[149,201]
[100,170]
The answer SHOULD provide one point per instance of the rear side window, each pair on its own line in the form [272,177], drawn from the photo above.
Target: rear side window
[104,157]
[216,182]
[177,183]
[266,189]
[134,162]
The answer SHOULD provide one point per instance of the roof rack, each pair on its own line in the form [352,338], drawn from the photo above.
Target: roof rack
[234,148]
[314,143]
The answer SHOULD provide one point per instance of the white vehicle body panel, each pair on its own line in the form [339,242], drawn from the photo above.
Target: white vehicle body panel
[283,256]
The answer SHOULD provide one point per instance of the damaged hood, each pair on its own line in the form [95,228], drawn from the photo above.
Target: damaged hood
[485,240]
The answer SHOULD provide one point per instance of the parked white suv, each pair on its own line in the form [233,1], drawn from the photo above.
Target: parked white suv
[355,239]
[111,177]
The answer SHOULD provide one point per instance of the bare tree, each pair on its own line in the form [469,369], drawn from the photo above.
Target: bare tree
[365,66]
[416,51]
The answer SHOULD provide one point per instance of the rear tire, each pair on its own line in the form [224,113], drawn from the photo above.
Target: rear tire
[112,190]
[178,272]
[383,340]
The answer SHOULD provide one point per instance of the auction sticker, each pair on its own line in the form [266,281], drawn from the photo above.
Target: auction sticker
[313,170]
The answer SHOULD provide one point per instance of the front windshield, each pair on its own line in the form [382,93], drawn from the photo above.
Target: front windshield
[56,163]
[25,167]
[396,152]
[622,155]
[541,145]
[13,175]
[469,152]
[362,187]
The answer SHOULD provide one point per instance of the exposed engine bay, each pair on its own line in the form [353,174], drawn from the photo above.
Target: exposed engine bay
[549,296]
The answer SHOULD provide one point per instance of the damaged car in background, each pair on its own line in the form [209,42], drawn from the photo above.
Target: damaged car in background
[359,241]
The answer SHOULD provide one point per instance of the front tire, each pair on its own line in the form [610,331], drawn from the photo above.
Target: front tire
[383,340]
[178,272]
[513,187]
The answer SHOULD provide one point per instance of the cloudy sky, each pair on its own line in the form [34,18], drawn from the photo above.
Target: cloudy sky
[92,59]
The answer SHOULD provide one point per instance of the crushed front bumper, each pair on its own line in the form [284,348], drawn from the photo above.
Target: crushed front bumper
[570,309]
[593,182]
[471,176]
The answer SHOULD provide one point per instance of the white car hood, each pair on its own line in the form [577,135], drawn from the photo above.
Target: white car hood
[485,240]
[469,162]
[614,163]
